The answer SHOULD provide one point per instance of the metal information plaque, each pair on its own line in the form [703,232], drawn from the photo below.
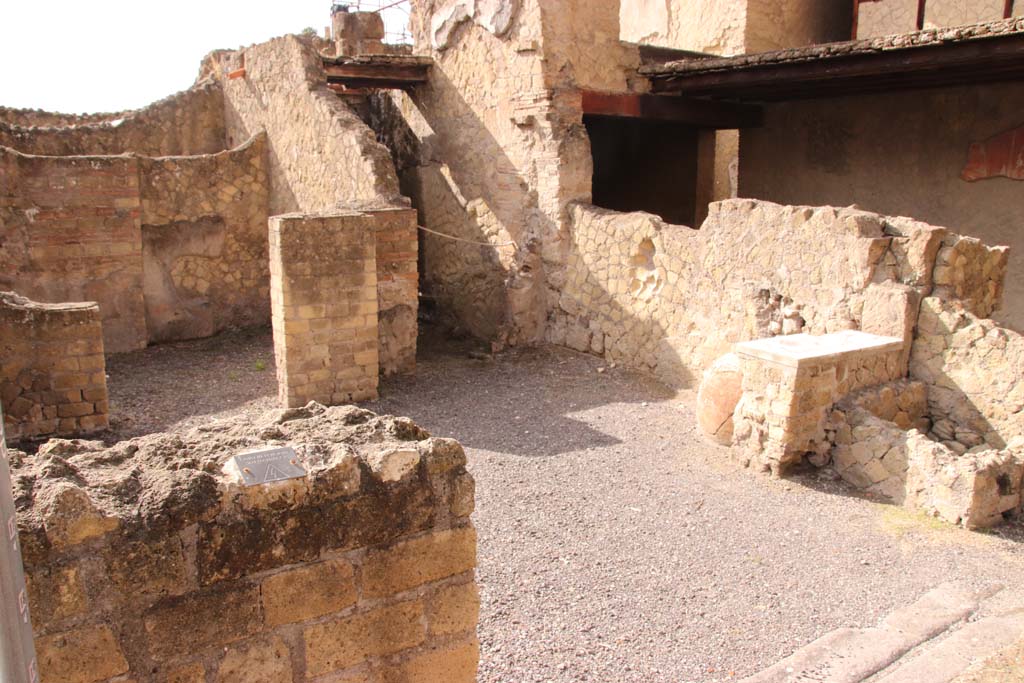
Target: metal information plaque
[269,465]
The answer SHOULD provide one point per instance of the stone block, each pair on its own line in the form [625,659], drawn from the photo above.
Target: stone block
[453,609]
[343,643]
[308,592]
[455,663]
[197,621]
[85,655]
[257,662]
[413,563]
[56,594]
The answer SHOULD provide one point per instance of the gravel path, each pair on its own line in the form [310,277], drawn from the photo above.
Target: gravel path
[615,545]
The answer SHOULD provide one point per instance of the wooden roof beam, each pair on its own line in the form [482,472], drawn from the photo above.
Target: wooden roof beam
[683,110]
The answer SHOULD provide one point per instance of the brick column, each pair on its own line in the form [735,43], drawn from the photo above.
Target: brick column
[323,293]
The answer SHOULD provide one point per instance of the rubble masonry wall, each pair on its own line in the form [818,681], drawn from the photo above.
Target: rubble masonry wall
[52,378]
[321,155]
[204,242]
[670,300]
[146,561]
[170,248]
[187,123]
[832,151]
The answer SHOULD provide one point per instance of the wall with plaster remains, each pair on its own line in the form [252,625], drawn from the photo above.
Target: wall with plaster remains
[204,242]
[900,154]
[731,28]
[190,122]
[148,561]
[52,378]
[170,248]
[321,155]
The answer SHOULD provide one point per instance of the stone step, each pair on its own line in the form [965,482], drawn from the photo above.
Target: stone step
[852,655]
[974,643]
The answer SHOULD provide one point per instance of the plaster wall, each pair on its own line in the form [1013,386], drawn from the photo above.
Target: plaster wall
[897,153]
[204,242]
[730,28]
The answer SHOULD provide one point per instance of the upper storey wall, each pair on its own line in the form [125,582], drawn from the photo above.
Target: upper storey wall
[188,123]
[729,28]
[321,155]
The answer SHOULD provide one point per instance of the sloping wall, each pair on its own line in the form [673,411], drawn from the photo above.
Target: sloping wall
[321,155]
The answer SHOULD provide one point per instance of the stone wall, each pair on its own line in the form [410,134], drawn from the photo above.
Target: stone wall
[738,27]
[190,122]
[71,233]
[499,149]
[397,251]
[170,248]
[670,300]
[149,562]
[974,370]
[204,242]
[52,378]
[323,293]
[321,155]
[900,154]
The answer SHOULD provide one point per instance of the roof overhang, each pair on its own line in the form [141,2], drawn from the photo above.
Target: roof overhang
[930,58]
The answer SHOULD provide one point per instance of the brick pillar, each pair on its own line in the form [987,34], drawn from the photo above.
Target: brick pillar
[323,293]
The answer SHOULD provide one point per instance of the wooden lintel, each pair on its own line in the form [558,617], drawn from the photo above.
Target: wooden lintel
[685,110]
[408,75]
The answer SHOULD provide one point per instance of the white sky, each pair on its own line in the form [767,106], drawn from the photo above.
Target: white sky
[80,56]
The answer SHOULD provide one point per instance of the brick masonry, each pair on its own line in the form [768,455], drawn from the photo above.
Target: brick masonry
[397,287]
[344,575]
[323,293]
[52,378]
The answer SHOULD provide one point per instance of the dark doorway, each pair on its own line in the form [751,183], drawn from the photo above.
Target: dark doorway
[644,166]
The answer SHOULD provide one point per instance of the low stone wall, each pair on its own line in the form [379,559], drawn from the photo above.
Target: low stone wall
[788,390]
[52,378]
[323,293]
[974,370]
[204,242]
[671,300]
[146,562]
[187,123]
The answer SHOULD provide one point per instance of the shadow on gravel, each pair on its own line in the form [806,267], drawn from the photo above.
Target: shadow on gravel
[519,403]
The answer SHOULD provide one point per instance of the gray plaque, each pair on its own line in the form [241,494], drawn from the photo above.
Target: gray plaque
[268,465]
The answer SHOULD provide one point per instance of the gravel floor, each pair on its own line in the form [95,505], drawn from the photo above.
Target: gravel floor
[614,543]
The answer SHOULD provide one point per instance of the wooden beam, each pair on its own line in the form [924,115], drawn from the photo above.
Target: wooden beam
[992,59]
[920,13]
[684,110]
